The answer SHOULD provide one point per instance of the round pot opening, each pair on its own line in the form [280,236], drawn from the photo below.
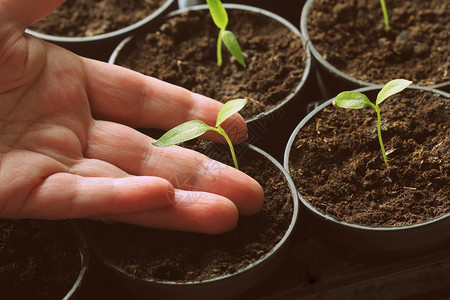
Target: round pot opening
[412,238]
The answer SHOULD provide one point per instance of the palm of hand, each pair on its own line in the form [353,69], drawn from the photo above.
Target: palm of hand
[44,132]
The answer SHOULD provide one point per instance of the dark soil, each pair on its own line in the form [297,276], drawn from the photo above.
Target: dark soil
[79,18]
[350,35]
[183,52]
[38,260]
[182,256]
[336,161]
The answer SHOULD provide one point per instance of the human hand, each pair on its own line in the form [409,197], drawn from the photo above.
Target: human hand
[68,149]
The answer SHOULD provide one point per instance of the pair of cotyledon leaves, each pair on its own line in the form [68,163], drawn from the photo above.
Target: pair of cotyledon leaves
[195,128]
[356,100]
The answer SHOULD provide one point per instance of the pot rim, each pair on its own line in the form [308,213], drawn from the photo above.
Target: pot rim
[330,67]
[305,120]
[104,36]
[83,249]
[267,256]
[278,18]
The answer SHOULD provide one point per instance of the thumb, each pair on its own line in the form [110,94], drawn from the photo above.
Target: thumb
[21,56]
[23,13]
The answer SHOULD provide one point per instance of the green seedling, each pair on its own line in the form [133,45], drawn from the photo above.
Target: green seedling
[220,18]
[355,100]
[195,128]
[385,16]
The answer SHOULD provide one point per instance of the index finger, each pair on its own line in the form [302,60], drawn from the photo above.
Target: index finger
[128,97]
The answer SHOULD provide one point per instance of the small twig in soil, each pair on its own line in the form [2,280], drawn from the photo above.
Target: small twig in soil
[410,188]
[256,102]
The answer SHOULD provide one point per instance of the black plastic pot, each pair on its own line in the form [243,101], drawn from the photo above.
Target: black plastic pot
[330,79]
[36,248]
[221,287]
[366,240]
[100,46]
[266,129]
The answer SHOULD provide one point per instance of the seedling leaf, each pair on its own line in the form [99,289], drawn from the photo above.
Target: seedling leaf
[229,109]
[218,13]
[182,133]
[352,100]
[391,88]
[192,129]
[232,45]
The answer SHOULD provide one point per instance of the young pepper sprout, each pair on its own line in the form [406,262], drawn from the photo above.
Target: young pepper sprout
[355,100]
[195,128]
[220,18]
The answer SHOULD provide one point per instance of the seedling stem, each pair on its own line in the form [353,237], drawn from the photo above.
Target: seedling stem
[385,15]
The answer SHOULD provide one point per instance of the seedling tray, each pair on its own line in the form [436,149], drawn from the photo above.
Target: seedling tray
[312,270]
